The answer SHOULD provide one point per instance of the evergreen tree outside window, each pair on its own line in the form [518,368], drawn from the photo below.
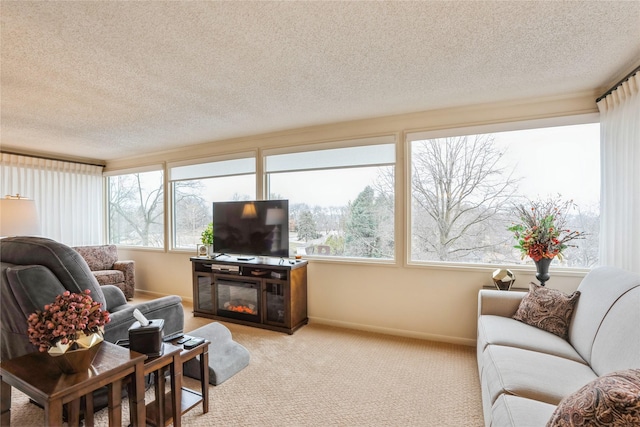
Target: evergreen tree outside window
[339,203]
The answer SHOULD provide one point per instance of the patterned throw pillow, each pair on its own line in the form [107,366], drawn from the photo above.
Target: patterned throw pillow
[547,309]
[611,400]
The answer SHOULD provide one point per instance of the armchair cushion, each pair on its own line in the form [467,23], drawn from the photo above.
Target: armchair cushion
[109,277]
[98,257]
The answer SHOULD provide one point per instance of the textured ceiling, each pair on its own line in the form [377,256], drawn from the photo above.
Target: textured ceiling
[106,80]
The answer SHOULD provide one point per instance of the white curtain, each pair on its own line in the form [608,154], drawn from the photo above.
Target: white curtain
[620,162]
[69,196]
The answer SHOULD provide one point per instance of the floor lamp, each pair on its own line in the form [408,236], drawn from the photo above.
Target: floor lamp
[18,217]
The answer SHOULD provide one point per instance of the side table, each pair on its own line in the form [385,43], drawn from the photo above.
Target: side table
[191,398]
[157,414]
[160,412]
[37,376]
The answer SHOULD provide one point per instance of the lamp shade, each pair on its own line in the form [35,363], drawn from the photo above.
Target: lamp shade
[249,211]
[275,216]
[18,217]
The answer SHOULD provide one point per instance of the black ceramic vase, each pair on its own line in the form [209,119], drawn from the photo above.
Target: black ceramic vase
[542,270]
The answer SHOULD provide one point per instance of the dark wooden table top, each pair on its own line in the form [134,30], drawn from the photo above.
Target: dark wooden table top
[44,379]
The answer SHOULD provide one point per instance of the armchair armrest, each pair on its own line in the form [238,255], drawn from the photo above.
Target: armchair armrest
[168,308]
[499,303]
[114,297]
[128,269]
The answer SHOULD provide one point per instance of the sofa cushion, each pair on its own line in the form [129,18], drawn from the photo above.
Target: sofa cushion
[610,400]
[530,374]
[512,333]
[99,257]
[109,277]
[547,309]
[518,412]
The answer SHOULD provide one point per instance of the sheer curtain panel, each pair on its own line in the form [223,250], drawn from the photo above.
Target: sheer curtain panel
[68,196]
[620,191]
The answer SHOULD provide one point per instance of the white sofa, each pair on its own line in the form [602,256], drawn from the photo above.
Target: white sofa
[525,372]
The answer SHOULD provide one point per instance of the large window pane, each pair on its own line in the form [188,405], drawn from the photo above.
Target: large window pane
[195,186]
[136,209]
[193,199]
[464,188]
[344,207]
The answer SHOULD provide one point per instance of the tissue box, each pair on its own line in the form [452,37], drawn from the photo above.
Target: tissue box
[147,339]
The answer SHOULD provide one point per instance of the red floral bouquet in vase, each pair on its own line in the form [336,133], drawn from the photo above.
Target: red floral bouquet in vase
[542,233]
[72,321]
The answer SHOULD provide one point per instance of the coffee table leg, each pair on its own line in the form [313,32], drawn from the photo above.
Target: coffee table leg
[5,402]
[73,409]
[136,397]
[176,390]
[160,389]
[115,405]
[88,410]
[53,413]
[204,374]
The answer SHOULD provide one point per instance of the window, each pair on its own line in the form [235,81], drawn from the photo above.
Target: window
[464,187]
[341,199]
[136,208]
[195,187]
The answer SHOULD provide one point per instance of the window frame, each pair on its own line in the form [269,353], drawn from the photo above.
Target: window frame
[370,141]
[525,124]
[171,215]
[156,167]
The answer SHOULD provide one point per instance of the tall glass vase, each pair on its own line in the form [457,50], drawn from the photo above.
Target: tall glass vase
[542,270]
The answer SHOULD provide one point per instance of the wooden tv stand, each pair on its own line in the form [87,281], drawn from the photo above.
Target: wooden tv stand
[265,292]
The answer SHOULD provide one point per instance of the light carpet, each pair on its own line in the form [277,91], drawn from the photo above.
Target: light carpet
[327,376]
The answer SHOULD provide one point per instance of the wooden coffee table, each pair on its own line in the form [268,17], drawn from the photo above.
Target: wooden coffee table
[37,376]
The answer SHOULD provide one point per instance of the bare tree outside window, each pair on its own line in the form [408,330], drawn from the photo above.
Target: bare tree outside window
[136,209]
[459,188]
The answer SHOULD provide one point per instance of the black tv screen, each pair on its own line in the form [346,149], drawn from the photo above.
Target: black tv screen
[259,227]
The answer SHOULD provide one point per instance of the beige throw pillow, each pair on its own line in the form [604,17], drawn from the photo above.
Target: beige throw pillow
[547,309]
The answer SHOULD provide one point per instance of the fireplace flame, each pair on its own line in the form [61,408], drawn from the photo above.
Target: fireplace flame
[241,308]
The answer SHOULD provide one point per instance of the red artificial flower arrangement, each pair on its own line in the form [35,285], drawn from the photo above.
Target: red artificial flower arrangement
[65,320]
[542,232]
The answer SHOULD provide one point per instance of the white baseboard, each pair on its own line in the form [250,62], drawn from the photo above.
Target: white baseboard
[141,292]
[396,332]
[358,326]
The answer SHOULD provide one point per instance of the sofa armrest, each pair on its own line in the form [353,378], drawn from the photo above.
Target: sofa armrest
[499,303]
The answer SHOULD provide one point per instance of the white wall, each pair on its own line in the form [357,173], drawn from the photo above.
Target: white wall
[422,302]
[433,302]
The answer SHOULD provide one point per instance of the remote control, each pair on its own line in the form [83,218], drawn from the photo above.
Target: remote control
[184,339]
[194,342]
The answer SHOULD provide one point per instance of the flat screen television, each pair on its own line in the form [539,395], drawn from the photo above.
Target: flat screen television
[259,227]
